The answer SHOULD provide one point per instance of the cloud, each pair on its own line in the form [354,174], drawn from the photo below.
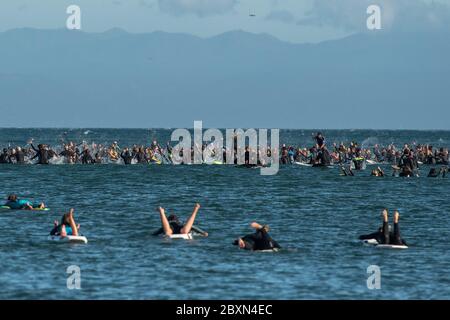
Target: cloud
[351,15]
[200,8]
[281,16]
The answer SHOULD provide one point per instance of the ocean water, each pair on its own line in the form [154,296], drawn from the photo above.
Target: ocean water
[315,214]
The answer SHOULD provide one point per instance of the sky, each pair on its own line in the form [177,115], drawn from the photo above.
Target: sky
[289,20]
[405,72]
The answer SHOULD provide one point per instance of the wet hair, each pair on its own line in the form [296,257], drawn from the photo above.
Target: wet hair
[12,197]
[172,217]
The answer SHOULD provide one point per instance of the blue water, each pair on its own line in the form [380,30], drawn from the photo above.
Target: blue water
[315,214]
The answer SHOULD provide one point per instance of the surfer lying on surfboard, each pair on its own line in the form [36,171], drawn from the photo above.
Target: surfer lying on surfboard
[260,240]
[172,225]
[68,227]
[383,235]
[22,204]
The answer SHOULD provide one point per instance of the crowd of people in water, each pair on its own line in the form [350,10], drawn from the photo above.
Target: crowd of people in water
[404,160]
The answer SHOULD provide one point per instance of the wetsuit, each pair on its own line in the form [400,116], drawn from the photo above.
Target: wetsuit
[140,157]
[127,157]
[320,140]
[20,157]
[260,240]
[57,229]
[19,204]
[5,158]
[359,163]
[323,158]
[86,157]
[383,236]
[41,154]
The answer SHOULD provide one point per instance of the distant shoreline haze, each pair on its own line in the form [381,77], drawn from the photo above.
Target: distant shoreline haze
[115,79]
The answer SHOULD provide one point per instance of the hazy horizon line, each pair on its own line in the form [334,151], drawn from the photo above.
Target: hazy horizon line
[223,128]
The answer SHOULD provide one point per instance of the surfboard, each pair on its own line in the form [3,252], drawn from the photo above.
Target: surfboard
[372,162]
[391,246]
[303,164]
[373,242]
[34,209]
[269,250]
[188,236]
[69,239]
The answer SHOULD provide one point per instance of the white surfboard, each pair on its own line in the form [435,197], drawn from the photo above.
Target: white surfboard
[372,162]
[188,236]
[391,246]
[269,250]
[69,239]
[303,164]
[373,242]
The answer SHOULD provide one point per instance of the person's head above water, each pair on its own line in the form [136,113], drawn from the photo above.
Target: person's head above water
[12,197]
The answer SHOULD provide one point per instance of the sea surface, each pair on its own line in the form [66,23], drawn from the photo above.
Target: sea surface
[315,214]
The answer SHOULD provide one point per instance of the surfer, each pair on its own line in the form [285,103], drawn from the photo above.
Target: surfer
[260,240]
[42,154]
[67,227]
[407,163]
[5,157]
[20,204]
[320,140]
[126,156]
[383,235]
[19,156]
[172,225]
[358,160]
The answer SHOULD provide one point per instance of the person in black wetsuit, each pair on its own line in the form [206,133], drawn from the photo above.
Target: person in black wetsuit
[260,240]
[126,156]
[41,153]
[140,155]
[5,157]
[320,140]
[358,160]
[172,225]
[86,157]
[383,235]
[323,158]
[407,164]
[19,155]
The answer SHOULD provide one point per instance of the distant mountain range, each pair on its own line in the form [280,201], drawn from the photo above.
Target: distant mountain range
[61,78]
